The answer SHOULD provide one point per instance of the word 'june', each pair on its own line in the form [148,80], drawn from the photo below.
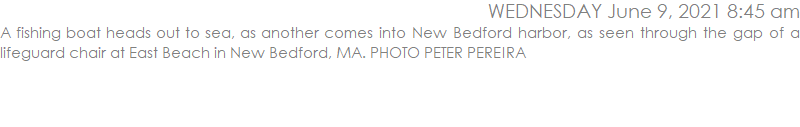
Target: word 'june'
[544,10]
